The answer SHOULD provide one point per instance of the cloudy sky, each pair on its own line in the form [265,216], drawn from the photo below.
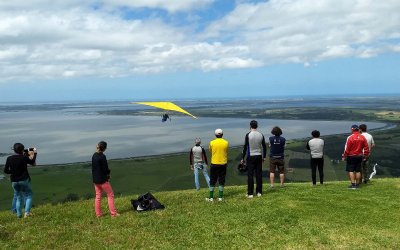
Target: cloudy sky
[53,50]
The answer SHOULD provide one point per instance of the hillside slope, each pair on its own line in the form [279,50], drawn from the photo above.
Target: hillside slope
[296,217]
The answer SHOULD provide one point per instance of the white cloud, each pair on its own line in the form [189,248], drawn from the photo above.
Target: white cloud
[43,39]
[169,5]
[281,31]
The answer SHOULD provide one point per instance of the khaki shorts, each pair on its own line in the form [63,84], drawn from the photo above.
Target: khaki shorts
[276,163]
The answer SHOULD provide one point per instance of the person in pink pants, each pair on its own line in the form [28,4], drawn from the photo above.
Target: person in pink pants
[101,177]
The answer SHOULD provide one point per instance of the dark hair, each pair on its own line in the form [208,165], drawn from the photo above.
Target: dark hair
[363,127]
[102,145]
[253,124]
[277,131]
[19,148]
[219,136]
[315,133]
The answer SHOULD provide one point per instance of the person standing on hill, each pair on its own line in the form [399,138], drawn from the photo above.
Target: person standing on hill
[101,177]
[356,151]
[17,167]
[219,162]
[316,147]
[198,161]
[276,156]
[371,144]
[255,149]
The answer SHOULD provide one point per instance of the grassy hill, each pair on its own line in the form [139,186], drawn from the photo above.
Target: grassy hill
[296,217]
[57,184]
[60,183]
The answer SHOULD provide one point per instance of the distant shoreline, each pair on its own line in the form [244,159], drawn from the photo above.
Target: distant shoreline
[387,126]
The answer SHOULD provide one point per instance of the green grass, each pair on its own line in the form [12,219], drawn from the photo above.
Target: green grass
[297,217]
[57,184]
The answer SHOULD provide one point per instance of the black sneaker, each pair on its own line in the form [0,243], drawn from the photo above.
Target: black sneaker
[352,186]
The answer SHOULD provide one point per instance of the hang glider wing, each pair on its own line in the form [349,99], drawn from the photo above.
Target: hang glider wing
[166,106]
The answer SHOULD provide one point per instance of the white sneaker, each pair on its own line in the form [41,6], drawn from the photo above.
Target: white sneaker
[219,199]
[259,194]
[210,199]
[249,196]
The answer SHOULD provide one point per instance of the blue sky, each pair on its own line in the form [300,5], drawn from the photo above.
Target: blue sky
[172,49]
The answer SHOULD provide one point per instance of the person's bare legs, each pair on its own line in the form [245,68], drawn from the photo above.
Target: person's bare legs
[358,177]
[272,178]
[352,177]
[282,178]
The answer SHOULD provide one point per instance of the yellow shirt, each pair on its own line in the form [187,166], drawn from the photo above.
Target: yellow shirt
[219,151]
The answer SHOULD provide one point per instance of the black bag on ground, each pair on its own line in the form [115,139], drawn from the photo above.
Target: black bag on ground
[146,202]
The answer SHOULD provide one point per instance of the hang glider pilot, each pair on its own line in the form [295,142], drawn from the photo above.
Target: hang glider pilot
[165,117]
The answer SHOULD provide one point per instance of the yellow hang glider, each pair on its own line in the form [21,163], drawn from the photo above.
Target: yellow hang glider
[166,106]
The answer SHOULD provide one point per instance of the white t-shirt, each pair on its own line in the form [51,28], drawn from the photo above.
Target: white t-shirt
[316,146]
[369,139]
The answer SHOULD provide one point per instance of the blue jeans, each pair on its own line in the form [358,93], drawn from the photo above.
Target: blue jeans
[14,203]
[22,189]
[198,167]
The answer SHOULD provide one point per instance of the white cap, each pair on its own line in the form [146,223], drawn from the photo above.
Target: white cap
[218,131]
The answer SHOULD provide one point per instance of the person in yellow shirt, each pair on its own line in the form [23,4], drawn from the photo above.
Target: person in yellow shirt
[219,160]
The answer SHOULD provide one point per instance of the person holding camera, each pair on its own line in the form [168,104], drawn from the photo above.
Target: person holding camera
[316,147]
[101,177]
[17,167]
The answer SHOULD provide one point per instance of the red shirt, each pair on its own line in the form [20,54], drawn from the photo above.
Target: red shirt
[356,144]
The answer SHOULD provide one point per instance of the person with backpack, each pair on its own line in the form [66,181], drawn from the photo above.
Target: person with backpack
[101,177]
[198,162]
[255,149]
[17,166]
[276,156]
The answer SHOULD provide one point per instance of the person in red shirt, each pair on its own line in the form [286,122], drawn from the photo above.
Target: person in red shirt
[356,150]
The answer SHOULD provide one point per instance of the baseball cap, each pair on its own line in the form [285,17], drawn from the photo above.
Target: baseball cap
[197,140]
[218,131]
[354,127]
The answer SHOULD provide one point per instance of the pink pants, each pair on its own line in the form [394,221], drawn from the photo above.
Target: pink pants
[99,188]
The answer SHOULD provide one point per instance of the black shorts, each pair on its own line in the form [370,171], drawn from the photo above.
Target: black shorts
[354,163]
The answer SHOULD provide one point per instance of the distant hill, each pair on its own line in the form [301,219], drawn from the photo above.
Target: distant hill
[296,217]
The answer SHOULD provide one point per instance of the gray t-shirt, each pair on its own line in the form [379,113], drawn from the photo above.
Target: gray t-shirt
[254,144]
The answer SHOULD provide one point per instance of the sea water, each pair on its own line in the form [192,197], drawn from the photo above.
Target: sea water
[70,134]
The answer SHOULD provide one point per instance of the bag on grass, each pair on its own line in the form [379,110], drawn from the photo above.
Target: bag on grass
[146,202]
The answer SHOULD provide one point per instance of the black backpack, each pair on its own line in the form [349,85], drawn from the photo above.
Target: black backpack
[146,202]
